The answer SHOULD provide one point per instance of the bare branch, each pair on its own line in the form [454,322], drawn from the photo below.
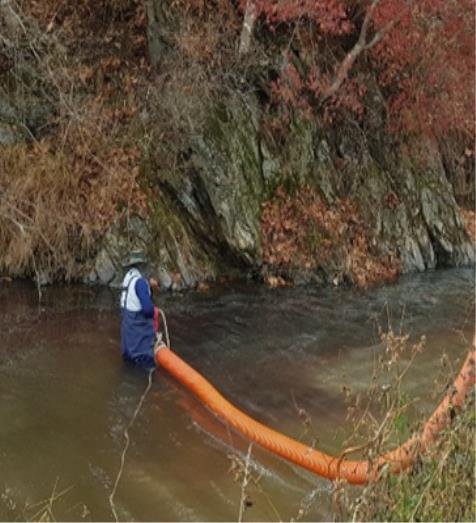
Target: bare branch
[382,34]
[367,20]
[360,46]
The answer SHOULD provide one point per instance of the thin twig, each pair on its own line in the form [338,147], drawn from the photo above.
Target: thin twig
[244,484]
[126,446]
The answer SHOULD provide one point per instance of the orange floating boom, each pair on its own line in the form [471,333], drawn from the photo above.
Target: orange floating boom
[330,467]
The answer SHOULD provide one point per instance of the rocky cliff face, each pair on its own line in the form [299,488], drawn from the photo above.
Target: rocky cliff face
[206,222]
[205,208]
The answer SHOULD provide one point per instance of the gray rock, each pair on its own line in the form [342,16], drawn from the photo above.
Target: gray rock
[91,278]
[228,161]
[270,164]
[165,280]
[105,268]
[122,239]
[208,217]
[411,257]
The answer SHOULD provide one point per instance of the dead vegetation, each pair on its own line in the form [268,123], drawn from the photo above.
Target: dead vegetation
[441,485]
[55,205]
[77,172]
[469,220]
[107,114]
[303,231]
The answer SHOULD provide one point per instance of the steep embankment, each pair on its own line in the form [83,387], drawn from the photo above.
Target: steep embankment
[138,125]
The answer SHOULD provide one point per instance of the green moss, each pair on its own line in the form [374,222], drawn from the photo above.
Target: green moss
[213,129]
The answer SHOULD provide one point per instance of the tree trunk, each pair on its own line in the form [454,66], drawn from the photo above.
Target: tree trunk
[155,26]
[248,26]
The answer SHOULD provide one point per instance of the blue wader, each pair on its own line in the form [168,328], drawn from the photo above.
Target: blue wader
[137,336]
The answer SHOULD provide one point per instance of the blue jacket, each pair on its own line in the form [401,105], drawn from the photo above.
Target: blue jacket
[137,328]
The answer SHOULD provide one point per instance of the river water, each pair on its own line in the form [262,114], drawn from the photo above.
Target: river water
[66,397]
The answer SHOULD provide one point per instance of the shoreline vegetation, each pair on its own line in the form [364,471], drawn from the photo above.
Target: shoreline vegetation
[440,486]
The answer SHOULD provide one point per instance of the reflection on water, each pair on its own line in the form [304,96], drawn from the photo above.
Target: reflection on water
[66,397]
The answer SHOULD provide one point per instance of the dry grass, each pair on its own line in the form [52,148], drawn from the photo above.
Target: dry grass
[108,114]
[469,220]
[76,175]
[55,205]
[441,485]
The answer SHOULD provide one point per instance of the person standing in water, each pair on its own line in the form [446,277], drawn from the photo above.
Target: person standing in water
[140,318]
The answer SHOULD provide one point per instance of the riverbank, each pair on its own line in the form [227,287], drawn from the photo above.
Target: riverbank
[440,488]
[120,129]
[362,269]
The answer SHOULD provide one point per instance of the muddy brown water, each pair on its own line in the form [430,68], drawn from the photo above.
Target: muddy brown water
[66,397]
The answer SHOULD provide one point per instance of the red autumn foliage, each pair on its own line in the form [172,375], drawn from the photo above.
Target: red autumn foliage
[331,16]
[422,52]
[426,64]
[303,231]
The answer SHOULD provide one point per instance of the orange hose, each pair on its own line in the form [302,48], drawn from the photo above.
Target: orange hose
[358,471]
